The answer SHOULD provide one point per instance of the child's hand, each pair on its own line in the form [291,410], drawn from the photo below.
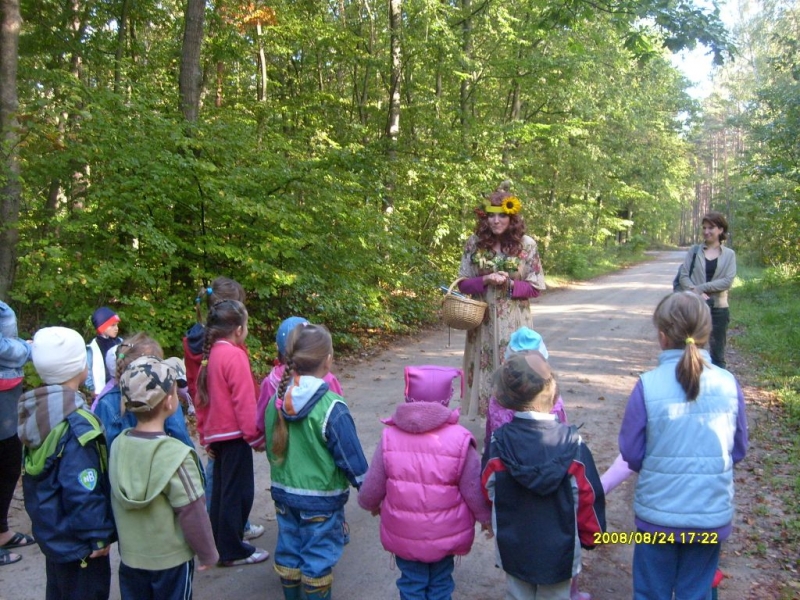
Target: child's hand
[100,552]
[487,527]
[204,567]
[210,453]
[376,512]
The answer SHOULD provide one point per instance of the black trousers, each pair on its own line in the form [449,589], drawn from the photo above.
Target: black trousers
[174,583]
[720,317]
[73,581]
[10,468]
[232,497]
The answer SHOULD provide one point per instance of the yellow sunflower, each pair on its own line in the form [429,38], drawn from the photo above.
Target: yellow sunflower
[512,205]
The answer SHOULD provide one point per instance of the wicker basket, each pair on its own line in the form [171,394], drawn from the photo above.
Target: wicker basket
[460,312]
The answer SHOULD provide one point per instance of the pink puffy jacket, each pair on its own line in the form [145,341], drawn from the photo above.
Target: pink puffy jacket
[422,488]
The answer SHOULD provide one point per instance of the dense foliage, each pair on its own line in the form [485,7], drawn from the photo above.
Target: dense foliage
[337,155]
[753,120]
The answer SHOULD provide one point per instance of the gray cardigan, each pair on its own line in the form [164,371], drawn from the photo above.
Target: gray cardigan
[717,288]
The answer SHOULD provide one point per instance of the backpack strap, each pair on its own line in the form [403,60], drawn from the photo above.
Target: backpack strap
[694,258]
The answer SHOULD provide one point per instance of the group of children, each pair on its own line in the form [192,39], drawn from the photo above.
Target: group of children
[536,487]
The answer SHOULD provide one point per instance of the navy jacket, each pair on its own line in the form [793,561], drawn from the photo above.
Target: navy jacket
[67,492]
[547,497]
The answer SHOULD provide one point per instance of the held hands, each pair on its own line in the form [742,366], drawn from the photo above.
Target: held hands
[496,279]
[487,528]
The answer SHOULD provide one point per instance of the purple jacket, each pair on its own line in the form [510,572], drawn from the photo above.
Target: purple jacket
[425,477]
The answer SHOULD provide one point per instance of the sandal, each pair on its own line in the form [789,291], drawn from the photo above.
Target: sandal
[18,540]
[258,556]
[7,558]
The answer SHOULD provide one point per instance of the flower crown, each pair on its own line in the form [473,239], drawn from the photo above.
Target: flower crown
[509,206]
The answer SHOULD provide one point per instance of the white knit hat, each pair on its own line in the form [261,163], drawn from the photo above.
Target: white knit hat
[58,354]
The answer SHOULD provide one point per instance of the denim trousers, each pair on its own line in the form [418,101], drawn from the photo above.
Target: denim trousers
[309,541]
[426,581]
[685,569]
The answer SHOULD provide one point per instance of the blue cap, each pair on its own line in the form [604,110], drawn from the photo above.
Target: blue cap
[524,339]
[284,330]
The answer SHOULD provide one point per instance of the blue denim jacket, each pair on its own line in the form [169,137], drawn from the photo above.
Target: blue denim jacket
[14,353]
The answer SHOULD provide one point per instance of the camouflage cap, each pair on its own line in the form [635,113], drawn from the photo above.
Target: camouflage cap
[523,382]
[148,380]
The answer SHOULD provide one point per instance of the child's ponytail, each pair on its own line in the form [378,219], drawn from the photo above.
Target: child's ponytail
[685,320]
[223,319]
[307,348]
[211,336]
[280,435]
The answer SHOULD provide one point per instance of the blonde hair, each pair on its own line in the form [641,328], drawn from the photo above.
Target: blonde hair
[685,320]
[307,348]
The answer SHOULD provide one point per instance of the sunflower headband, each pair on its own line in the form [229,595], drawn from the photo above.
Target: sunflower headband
[509,206]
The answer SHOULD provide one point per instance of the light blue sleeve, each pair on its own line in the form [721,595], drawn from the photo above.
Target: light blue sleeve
[90,377]
[14,353]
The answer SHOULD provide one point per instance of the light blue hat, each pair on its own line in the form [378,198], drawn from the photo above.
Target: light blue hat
[284,330]
[525,339]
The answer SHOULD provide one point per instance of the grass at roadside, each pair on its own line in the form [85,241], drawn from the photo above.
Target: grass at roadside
[765,314]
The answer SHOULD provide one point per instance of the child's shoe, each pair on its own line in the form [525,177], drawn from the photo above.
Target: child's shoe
[574,594]
[253,532]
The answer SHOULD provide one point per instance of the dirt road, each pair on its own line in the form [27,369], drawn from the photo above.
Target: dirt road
[599,336]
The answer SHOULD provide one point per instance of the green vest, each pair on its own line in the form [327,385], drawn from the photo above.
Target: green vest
[308,468]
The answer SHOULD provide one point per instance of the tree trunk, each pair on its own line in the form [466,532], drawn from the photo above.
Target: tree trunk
[393,120]
[10,188]
[466,59]
[262,66]
[122,35]
[220,74]
[191,75]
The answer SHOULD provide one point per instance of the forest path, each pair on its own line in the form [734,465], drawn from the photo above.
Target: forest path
[600,338]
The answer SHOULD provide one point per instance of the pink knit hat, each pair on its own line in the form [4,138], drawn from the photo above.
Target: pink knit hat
[432,383]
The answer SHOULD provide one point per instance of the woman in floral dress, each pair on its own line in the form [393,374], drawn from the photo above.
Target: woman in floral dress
[500,266]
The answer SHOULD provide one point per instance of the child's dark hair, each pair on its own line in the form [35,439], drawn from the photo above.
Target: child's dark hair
[685,320]
[136,346]
[223,319]
[222,288]
[307,348]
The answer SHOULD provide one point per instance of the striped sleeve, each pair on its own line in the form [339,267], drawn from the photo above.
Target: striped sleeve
[590,512]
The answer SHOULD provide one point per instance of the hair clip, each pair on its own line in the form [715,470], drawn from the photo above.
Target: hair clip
[689,340]
[198,299]
[204,363]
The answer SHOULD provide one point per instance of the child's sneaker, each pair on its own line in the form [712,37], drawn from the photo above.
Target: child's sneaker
[253,532]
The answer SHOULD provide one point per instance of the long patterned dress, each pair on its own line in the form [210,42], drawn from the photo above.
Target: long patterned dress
[486,344]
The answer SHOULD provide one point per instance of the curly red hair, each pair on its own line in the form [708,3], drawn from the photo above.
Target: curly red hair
[511,240]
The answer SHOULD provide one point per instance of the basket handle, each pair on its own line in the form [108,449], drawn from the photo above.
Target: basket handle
[452,285]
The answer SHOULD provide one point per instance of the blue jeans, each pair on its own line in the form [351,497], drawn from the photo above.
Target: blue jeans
[311,541]
[426,581]
[686,569]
